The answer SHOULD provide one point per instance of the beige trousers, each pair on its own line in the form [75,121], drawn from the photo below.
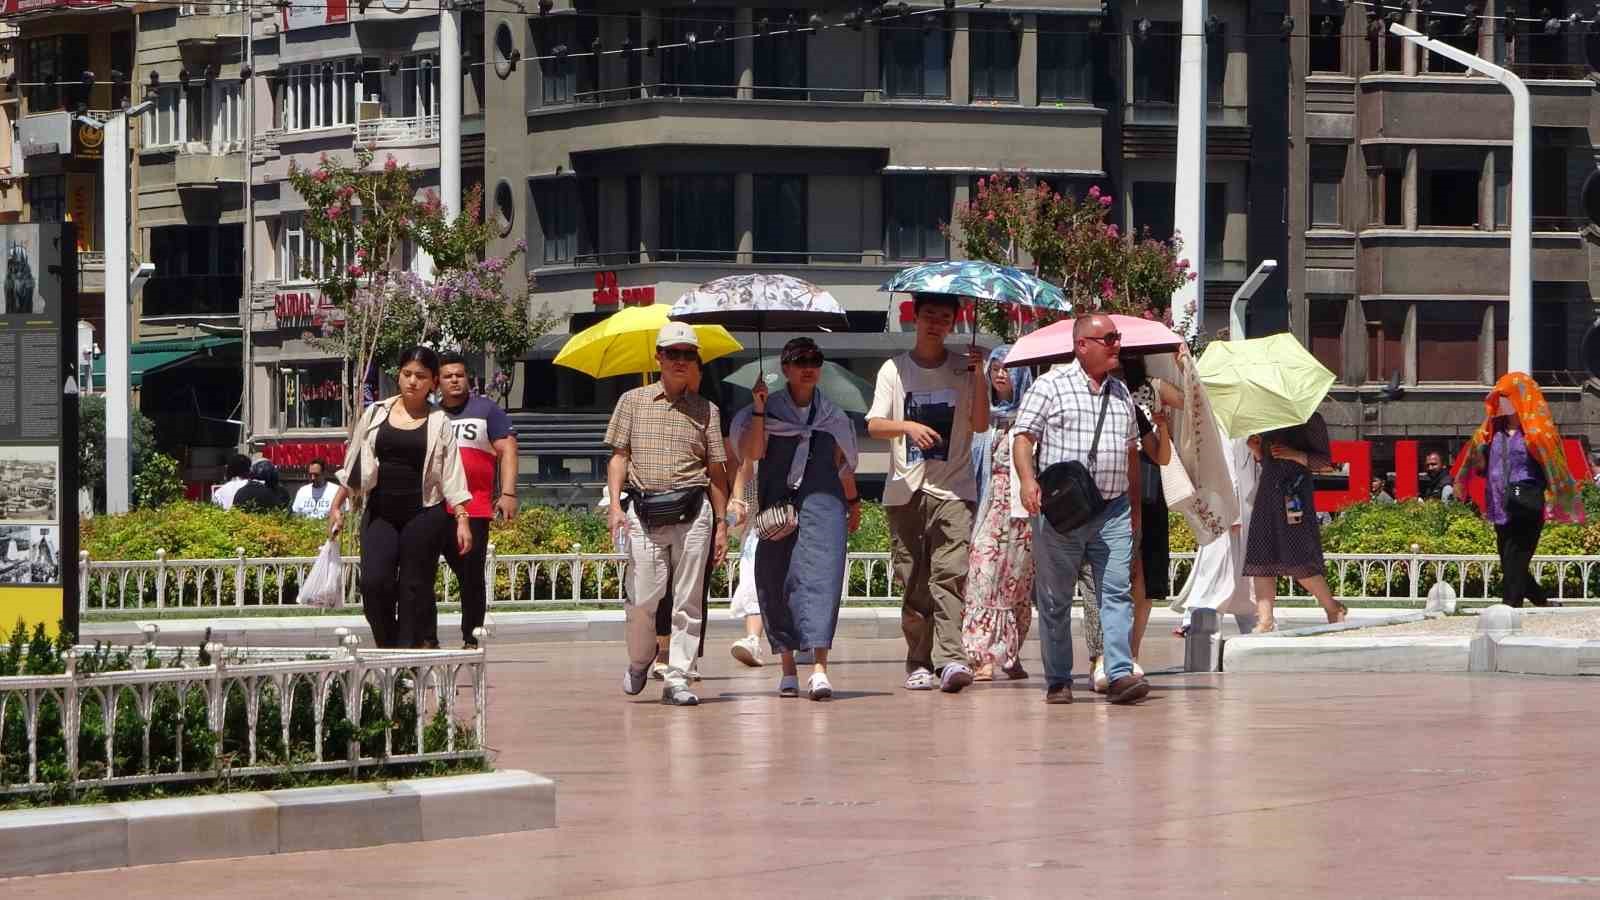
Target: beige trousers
[675,556]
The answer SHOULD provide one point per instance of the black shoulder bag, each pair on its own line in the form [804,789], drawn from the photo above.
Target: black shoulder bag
[1069,498]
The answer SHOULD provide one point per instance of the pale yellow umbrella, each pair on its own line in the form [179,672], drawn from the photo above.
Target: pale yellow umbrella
[1262,384]
[625,343]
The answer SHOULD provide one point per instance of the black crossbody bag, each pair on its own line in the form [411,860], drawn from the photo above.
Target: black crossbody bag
[1069,498]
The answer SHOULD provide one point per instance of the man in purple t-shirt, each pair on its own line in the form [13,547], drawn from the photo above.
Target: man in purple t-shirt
[488,447]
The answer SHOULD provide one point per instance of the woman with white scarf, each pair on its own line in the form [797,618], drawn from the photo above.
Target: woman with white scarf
[807,449]
[999,607]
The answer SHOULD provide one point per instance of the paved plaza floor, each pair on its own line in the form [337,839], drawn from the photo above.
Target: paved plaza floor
[1243,786]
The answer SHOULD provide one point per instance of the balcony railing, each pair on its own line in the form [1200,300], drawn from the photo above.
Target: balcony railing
[94,260]
[402,130]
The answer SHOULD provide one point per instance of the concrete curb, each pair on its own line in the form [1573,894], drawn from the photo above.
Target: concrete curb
[142,832]
[856,622]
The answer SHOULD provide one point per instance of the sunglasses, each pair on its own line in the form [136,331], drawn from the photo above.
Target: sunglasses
[682,356]
[1107,339]
[807,361]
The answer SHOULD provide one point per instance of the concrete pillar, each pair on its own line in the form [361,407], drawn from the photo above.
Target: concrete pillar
[1411,63]
[1408,348]
[744,214]
[1409,189]
[1486,192]
[872,219]
[961,62]
[1028,62]
[1355,342]
[1486,366]
[649,217]
[744,53]
[1189,198]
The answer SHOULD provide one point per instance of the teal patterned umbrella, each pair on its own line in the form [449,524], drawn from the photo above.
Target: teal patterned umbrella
[981,281]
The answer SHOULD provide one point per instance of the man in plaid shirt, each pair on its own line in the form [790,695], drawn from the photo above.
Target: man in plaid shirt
[1057,419]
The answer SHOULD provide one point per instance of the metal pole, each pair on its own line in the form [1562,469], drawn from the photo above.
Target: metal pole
[1189,199]
[118,385]
[247,302]
[1519,324]
[1241,297]
[450,108]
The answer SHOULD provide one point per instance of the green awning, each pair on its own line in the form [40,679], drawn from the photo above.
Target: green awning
[149,357]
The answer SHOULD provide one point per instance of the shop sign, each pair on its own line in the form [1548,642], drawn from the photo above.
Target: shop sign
[606,292]
[311,15]
[1357,455]
[300,309]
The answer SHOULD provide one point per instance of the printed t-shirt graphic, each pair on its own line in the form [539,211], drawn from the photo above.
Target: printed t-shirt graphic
[937,410]
[478,424]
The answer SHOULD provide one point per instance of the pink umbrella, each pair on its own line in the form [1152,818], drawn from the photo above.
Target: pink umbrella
[1053,343]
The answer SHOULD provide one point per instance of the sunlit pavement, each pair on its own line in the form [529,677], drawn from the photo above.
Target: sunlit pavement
[1246,785]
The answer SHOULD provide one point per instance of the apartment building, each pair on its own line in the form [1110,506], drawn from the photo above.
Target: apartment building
[327,80]
[836,154]
[1400,233]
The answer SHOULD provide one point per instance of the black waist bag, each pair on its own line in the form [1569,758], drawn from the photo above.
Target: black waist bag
[1068,496]
[668,507]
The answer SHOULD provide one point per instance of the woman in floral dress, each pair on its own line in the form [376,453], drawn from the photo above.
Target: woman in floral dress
[999,607]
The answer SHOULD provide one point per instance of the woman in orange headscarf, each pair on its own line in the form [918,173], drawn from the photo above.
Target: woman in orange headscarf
[1518,451]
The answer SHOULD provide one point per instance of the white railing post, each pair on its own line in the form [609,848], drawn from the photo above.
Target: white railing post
[161,582]
[238,580]
[488,575]
[577,574]
[1416,571]
[83,581]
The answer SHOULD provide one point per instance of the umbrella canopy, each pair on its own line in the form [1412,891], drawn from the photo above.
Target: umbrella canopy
[981,281]
[761,302]
[1053,343]
[845,388]
[1262,384]
[625,343]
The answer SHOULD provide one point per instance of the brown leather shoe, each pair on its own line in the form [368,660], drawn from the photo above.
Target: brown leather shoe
[1061,693]
[1128,689]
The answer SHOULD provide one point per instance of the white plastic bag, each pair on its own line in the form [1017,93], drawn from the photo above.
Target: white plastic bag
[323,586]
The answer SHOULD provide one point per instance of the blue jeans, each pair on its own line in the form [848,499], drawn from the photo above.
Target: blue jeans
[1106,544]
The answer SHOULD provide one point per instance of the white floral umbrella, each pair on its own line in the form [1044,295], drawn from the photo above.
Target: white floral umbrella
[761,302]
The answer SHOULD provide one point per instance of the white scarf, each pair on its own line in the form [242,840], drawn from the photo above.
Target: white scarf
[784,419]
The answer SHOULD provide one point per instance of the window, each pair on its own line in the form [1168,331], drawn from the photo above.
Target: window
[994,50]
[419,87]
[697,217]
[1385,53]
[1327,173]
[210,113]
[1386,324]
[1394,197]
[1550,337]
[122,61]
[780,60]
[555,203]
[198,270]
[915,206]
[708,70]
[320,95]
[1064,60]
[1326,331]
[1448,195]
[301,258]
[1448,335]
[1502,190]
[633,192]
[61,58]
[1327,43]
[1155,210]
[310,395]
[916,63]
[780,226]
[1549,181]
[1155,63]
[47,198]
[1216,63]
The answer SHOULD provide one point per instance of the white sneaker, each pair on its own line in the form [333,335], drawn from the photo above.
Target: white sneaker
[634,680]
[748,650]
[921,680]
[818,688]
[1098,679]
[789,686]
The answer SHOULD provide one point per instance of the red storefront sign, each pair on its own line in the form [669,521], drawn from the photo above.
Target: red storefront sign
[1358,455]
[606,292]
[299,454]
[1020,314]
[301,309]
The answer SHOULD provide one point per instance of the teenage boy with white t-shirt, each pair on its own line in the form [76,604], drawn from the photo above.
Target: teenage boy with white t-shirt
[928,404]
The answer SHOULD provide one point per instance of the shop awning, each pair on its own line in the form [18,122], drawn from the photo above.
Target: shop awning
[149,357]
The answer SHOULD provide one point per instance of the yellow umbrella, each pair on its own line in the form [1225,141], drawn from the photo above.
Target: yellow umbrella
[625,343]
[1262,384]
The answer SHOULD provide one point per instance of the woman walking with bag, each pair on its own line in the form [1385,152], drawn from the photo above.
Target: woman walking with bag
[1285,539]
[806,487]
[403,460]
[999,608]
[1518,451]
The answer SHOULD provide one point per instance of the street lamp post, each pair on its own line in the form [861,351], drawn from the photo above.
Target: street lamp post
[1519,324]
[1189,187]
[1241,297]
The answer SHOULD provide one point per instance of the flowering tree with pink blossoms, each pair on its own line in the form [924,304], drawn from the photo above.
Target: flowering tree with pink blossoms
[362,215]
[1018,221]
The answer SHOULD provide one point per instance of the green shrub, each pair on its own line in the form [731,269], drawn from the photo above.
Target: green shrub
[157,482]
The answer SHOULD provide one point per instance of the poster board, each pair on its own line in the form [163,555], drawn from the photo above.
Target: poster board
[38,427]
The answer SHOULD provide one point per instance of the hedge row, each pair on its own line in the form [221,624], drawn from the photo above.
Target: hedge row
[199,531]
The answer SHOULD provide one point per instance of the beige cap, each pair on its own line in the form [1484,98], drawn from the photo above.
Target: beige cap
[677,334]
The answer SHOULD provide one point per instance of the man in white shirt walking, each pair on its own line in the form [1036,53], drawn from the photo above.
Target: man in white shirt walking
[313,500]
[928,406]
[1081,413]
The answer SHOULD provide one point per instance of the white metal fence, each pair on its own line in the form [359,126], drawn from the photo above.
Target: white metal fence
[133,587]
[239,713]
